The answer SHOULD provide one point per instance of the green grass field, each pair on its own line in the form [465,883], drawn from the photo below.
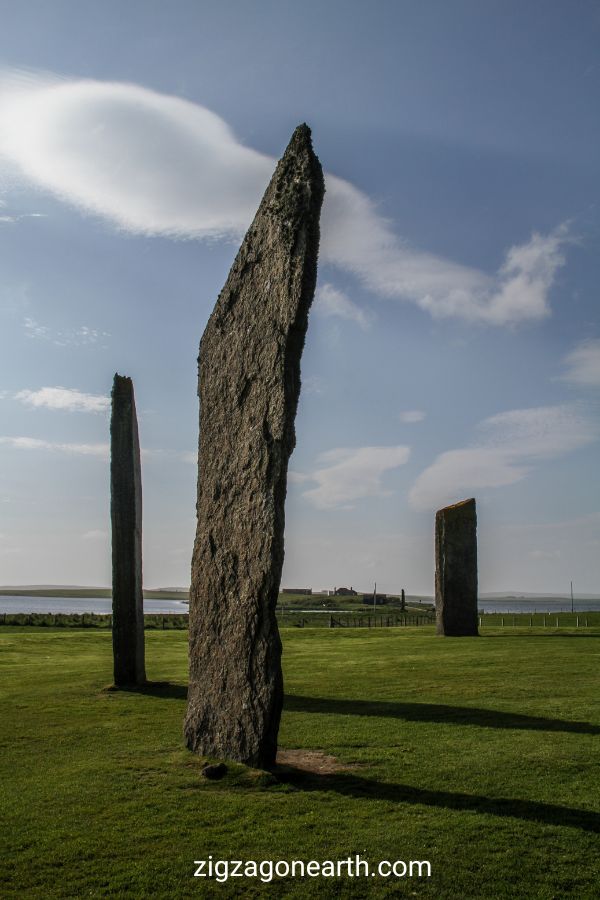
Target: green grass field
[479,755]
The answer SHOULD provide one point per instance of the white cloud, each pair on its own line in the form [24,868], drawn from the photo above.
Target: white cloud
[150,162]
[544,554]
[10,551]
[297,477]
[512,441]
[349,474]
[312,384]
[458,473]
[583,364]
[357,239]
[27,443]
[13,219]
[72,337]
[329,301]
[157,164]
[100,450]
[95,535]
[65,399]
[411,416]
[33,329]
[539,432]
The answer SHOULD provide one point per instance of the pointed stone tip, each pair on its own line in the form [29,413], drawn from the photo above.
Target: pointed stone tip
[301,138]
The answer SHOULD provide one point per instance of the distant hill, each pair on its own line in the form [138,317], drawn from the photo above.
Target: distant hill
[52,587]
[171,590]
[83,591]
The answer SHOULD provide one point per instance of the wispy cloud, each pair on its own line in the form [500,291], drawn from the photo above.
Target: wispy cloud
[330,301]
[348,474]
[96,534]
[411,416]
[157,164]
[583,364]
[357,239]
[64,399]
[312,384]
[542,555]
[99,450]
[28,443]
[6,219]
[71,337]
[510,444]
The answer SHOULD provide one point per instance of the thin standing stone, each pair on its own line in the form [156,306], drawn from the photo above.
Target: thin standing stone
[456,569]
[126,519]
[249,384]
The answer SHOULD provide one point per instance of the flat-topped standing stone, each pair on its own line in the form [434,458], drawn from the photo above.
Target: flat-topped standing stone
[249,384]
[126,519]
[456,569]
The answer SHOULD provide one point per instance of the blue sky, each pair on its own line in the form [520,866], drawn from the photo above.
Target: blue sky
[454,344]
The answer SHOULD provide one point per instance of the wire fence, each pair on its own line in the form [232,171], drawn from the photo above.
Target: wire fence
[540,620]
[287,618]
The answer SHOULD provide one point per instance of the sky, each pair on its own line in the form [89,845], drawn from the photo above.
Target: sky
[453,347]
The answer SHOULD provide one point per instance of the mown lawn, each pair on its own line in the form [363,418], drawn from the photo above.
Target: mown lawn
[479,755]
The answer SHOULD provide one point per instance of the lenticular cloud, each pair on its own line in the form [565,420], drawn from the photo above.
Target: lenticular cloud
[160,165]
[152,163]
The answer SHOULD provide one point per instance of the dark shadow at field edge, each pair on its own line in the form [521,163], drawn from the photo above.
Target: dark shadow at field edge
[434,712]
[527,810]
[165,689]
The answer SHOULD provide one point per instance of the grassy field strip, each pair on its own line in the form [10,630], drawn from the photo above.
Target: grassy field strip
[480,755]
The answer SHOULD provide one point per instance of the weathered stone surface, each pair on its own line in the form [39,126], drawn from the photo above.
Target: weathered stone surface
[126,519]
[456,569]
[249,384]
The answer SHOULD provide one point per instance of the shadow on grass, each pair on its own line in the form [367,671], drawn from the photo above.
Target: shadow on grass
[165,689]
[434,712]
[527,810]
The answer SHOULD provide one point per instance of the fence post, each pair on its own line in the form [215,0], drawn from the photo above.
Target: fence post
[577,623]
[502,622]
[557,621]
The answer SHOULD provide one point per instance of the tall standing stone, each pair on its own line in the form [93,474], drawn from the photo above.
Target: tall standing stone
[126,519]
[456,569]
[249,384]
